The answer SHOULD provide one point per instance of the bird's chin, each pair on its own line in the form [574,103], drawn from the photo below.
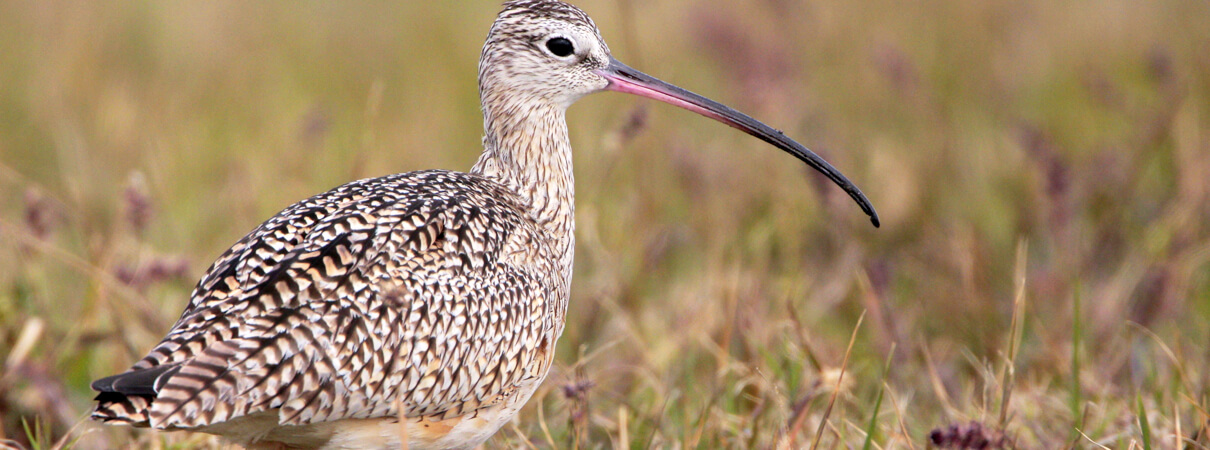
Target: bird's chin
[567,100]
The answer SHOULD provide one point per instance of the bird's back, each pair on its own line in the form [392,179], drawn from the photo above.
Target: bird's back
[429,291]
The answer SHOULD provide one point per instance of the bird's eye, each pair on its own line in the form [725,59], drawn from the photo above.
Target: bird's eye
[560,47]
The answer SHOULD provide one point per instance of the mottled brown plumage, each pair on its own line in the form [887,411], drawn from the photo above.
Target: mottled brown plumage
[434,297]
[433,289]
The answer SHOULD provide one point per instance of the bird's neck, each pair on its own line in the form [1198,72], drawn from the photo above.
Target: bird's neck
[526,148]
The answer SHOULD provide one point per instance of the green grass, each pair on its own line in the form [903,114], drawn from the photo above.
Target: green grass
[717,282]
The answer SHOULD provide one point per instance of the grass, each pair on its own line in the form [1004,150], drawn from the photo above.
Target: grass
[718,283]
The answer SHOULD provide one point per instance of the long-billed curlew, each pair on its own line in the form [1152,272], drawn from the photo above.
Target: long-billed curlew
[434,297]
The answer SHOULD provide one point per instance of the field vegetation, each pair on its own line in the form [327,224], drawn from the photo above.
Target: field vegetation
[1041,278]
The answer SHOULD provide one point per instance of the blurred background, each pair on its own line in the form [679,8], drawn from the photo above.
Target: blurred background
[1040,166]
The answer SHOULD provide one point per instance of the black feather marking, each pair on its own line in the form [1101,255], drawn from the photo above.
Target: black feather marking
[137,382]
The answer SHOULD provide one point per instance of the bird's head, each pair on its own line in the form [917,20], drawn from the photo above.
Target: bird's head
[543,50]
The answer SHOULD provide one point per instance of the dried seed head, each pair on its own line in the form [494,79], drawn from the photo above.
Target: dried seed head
[41,217]
[159,269]
[970,436]
[137,202]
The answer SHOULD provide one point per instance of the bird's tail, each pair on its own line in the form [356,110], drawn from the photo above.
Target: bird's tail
[126,398]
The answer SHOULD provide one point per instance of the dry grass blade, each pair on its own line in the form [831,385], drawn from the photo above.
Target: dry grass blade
[542,423]
[803,340]
[1098,444]
[1080,426]
[70,437]
[623,428]
[517,430]
[907,437]
[935,380]
[1177,362]
[1193,402]
[1178,436]
[823,421]
[30,333]
[797,415]
[1016,329]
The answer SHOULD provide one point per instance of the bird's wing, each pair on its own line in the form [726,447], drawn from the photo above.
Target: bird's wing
[429,291]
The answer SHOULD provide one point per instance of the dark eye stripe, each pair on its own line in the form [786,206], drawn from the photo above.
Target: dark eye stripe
[560,47]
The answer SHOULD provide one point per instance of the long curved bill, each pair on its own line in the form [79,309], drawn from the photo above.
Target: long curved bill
[622,78]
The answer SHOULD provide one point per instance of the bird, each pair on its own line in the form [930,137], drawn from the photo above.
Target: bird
[418,310]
